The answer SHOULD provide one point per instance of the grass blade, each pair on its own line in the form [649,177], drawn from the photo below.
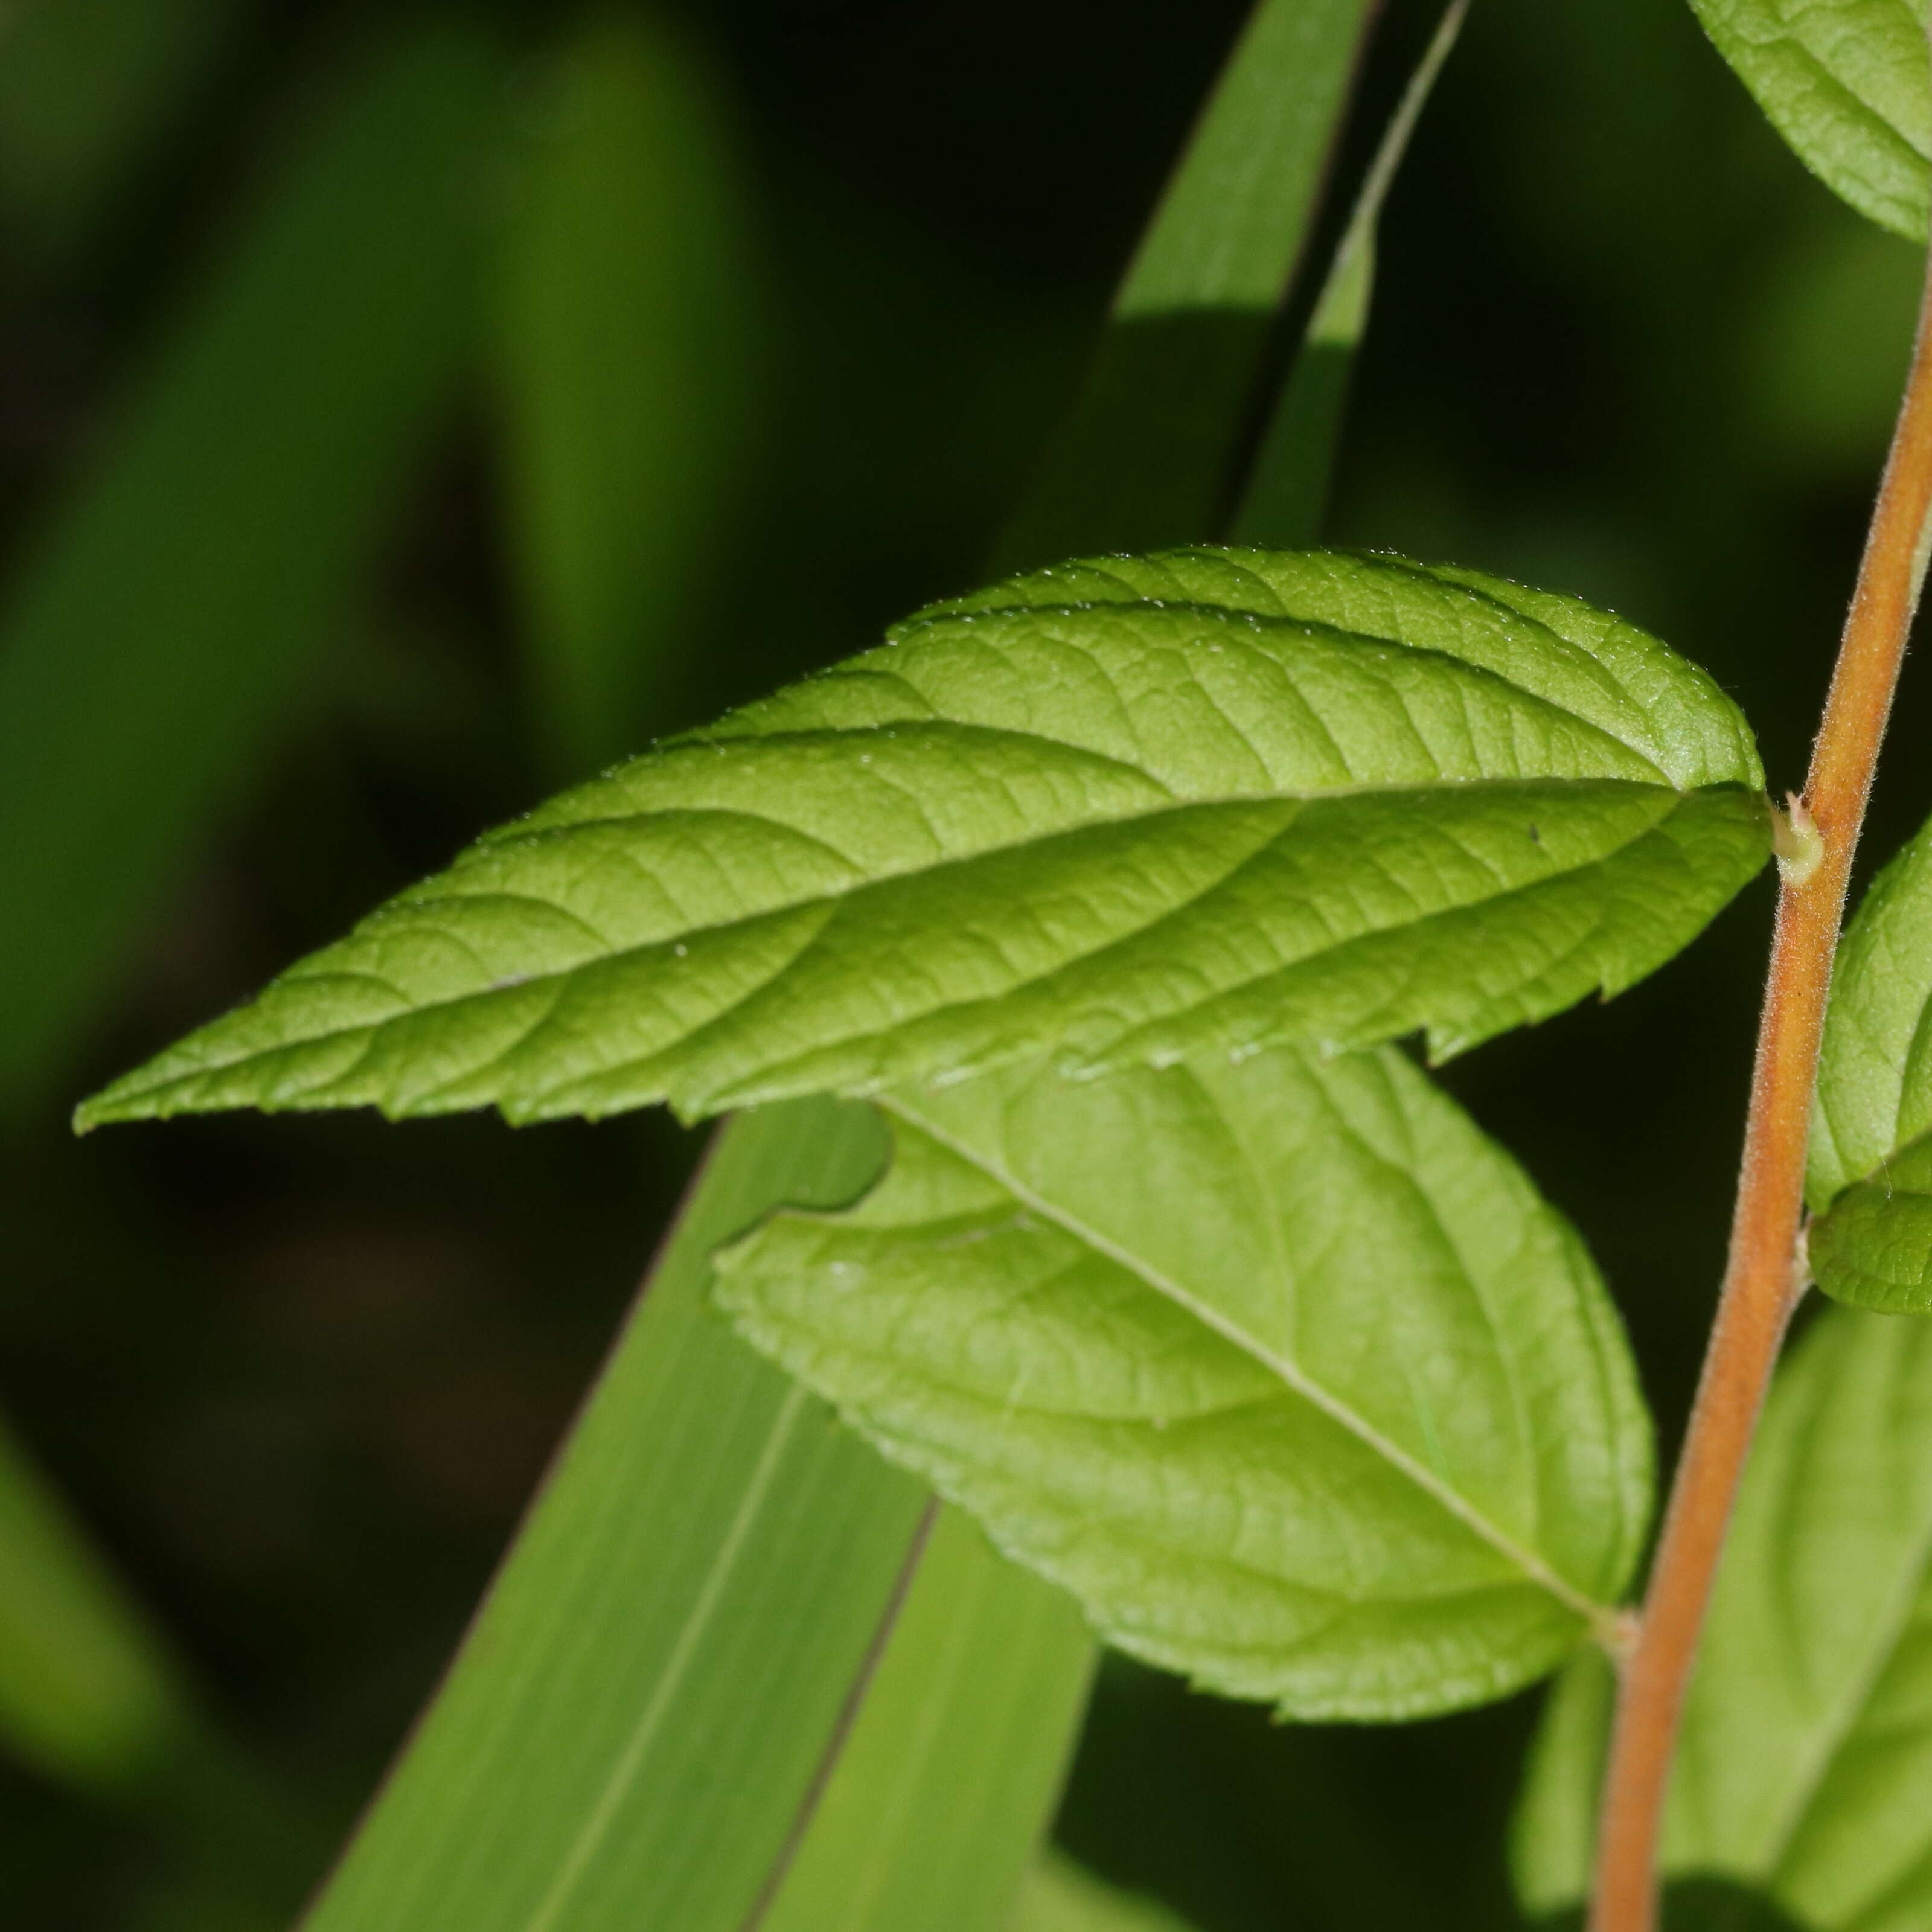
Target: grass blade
[907,1667]
[625,365]
[1145,458]
[648,1687]
[162,633]
[956,1759]
[1288,489]
[86,1695]
[87,87]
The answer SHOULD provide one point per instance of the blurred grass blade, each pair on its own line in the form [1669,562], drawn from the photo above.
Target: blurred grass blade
[625,363]
[1287,490]
[1144,460]
[90,1698]
[955,1762]
[640,1732]
[85,1694]
[88,88]
[1060,1896]
[162,631]
[650,1684]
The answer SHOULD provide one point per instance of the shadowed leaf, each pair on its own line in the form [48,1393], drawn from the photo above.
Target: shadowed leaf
[1807,1745]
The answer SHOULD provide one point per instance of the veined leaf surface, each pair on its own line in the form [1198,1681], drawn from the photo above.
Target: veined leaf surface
[1870,1154]
[1849,84]
[1282,1368]
[1119,811]
[1807,1746]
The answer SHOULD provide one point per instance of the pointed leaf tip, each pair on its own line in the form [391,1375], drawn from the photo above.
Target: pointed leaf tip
[1119,811]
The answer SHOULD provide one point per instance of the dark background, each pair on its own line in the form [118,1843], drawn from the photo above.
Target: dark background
[299,1376]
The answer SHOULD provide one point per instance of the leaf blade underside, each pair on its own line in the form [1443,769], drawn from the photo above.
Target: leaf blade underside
[1848,84]
[1072,815]
[1807,1743]
[1334,1413]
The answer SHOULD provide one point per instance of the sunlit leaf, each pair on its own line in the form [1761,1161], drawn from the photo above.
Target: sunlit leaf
[1281,1368]
[995,1652]
[1118,811]
[1849,84]
[1807,1746]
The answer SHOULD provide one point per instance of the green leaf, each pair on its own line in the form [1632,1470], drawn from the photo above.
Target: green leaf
[949,1777]
[1121,810]
[1849,84]
[1875,1065]
[1874,1249]
[1553,1834]
[434,1827]
[165,628]
[1334,1415]
[1871,1151]
[697,1598]
[1807,1746]
[86,1692]
[1148,455]
[627,371]
[1287,490]
[1060,1896]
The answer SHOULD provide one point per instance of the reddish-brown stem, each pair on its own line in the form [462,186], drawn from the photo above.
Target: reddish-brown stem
[1760,1286]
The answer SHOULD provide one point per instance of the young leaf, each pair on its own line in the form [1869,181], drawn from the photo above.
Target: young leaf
[1807,1746]
[1118,811]
[947,1781]
[1282,1368]
[1849,84]
[1871,1156]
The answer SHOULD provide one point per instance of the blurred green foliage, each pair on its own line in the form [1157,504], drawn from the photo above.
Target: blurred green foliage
[628,375]
[299,1380]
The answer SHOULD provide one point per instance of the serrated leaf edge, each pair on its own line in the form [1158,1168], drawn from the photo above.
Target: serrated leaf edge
[133,1098]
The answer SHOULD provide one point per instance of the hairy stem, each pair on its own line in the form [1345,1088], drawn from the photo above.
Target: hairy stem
[1762,1283]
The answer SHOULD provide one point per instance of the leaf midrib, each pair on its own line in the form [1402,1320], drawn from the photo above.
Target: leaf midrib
[1600,1617]
[409,1010]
